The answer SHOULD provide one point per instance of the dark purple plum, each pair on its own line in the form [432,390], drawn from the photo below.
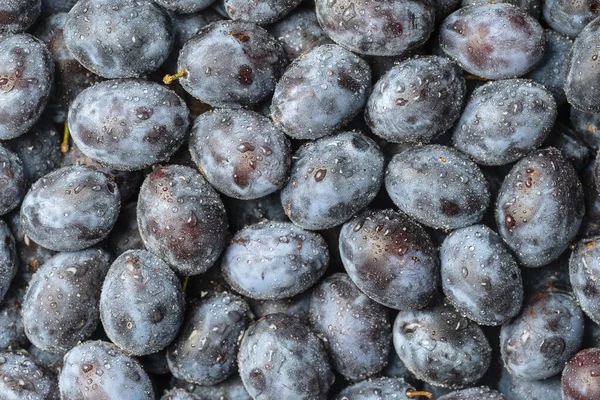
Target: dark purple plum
[533,7]
[438,186]
[550,72]
[570,144]
[38,150]
[205,351]
[519,389]
[70,77]
[474,393]
[584,269]
[182,219]
[60,308]
[391,258]
[377,28]
[184,6]
[141,305]
[581,78]
[24,377]
[128,124]
[332,179]
[50,7]
[299,32]
[51,361]
[31,255]
[119,38]
[431,341]
[416,100]
[126,234]
[380,389]
[262,12]
[26,76]
[255,62]
[100,370]
[569,17]
[297,306]
[540,207]
[493,41]
[8,258]
[274,260]
[478,272]
[544,336]
[242,213]
[179,394]
[280,357]
[13,181]
[504,120]
[356,330]
[320,92]
[581,378]
[70,209]
[12,334]
[230,389]
[18,15]
[240,153]
[587,127]
[128,182]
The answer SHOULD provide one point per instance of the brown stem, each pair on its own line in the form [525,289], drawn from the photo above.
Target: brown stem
[168,79]
[64,146]
[411,394]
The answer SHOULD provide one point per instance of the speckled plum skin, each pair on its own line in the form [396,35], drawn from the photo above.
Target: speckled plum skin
[205,350]
[377,28]
[23,377]
[262,12]
[416,100]
[274,260]
[18,15]
[256,61]
[12,334]
[550,72]
[540,207]
[519,389]
[299,32]
[493,41]
[137,39]
[533,7]
[431,341]
[390,258]
[101,370]
[584,270]
[544,336]
[474,393]
[240,153]
[580,376]
[13,180]
[569,17]
[184,6]
[141,306]
[320,92]
[26,76]
[332,179]
[70,209]
[232,388]
[182,219]
[377,389]
[128,124]
[70,77]
[361,340]
[179,394]
[478,272]
[581,79]
[8,258]
[505,120]
[38,150]
[280,357]
[61,304]
[438,186]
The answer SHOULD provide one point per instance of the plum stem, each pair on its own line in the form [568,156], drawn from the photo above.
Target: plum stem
[185,283]
[411,393]
[168,79]
[64,146]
